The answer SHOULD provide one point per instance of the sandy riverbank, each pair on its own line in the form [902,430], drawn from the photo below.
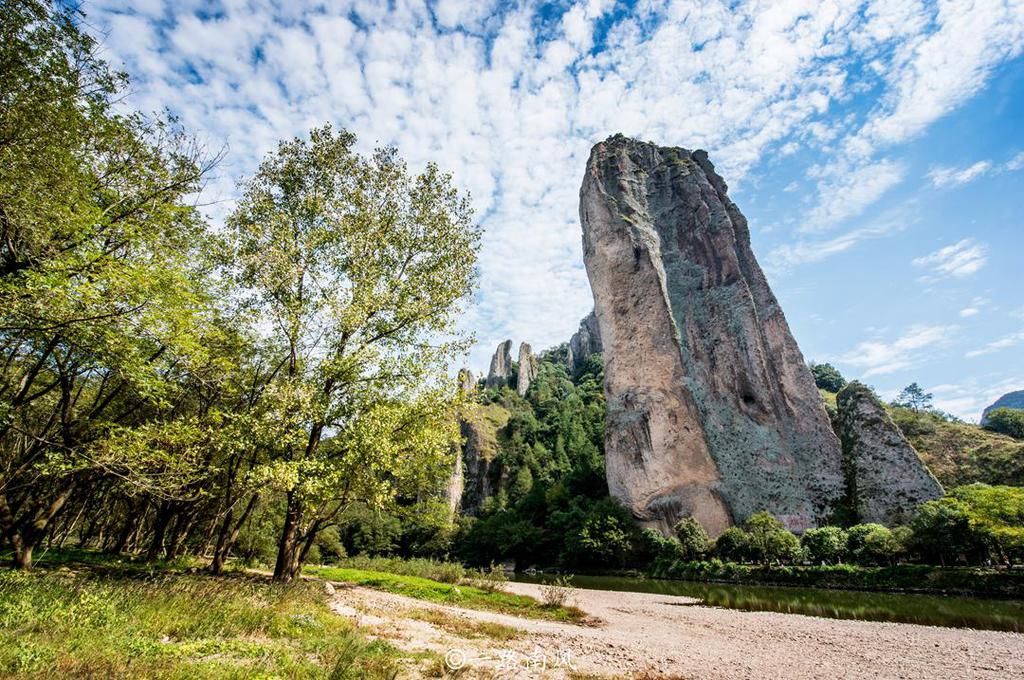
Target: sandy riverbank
[665,635]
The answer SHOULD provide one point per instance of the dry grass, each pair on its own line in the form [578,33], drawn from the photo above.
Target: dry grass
[465,627]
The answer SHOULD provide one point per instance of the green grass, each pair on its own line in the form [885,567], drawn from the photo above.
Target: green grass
[435,570]
[114,623]
[463,595]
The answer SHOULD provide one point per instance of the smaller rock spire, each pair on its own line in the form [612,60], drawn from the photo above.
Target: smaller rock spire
[528,368]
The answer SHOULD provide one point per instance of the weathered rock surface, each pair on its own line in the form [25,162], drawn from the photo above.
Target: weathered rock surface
[529,365]
[501,365]
[886,479]
[584,342]
[1008,400]
[712,411]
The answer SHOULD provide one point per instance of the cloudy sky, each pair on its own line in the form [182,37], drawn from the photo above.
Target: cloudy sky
[876,147]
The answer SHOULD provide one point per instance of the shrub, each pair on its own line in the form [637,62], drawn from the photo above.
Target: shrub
[872,544]
[693,540]
[557,593]
[733,545]
[492,580]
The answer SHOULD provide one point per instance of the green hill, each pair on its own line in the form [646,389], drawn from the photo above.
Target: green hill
[957,453]
[961,453]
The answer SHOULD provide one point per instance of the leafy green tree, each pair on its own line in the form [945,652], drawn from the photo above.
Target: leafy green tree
[1008,421]
[914,398]
[694,541]
[764,542]
[827,377]
[783,547]
[102,285]
[996,516]
[733,545]
[825,545]
[943,532]
[604,537]
[356,267]
[649,545]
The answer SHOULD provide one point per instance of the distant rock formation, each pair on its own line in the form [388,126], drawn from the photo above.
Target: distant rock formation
[501,365]
[529,365]
[467,381]
[456,485]
[712,411]
[1008,400]
[584,342]
[886,479]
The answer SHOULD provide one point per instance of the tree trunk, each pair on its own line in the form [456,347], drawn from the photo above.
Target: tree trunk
[131,525]
[163,518]
[287,548]
[229,536]
[23,557]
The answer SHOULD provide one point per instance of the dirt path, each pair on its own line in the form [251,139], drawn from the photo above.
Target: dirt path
[674,636]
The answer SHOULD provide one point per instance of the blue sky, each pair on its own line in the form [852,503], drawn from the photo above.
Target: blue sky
[876,146]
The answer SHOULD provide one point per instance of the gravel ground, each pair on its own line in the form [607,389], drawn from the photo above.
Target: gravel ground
[663,635]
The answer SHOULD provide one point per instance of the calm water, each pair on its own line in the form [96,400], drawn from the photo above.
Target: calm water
[929,610]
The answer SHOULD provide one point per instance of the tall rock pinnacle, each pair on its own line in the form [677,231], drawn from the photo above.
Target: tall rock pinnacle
[712,412]
[528,368]
[501,365]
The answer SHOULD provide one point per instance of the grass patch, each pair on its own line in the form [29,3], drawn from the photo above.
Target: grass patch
[435,570]
[466,628]
[115,624]
[467,596]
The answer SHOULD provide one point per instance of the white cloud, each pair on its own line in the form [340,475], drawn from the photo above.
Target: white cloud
[1005,342]
[784,258]
[946,176]
[969,399]
[846,192]
[959,260]
[877,357]
[975,307]
[511,104]
[927,69]
[932,74]
[1015,163]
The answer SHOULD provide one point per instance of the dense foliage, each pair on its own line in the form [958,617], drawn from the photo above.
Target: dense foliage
[827,377]
[1008,421]
[550,503]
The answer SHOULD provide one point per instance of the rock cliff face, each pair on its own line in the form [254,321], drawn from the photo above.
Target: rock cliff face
[479,426]
[1008,400]
[712,412]
[501,365]
[528,367]
[584,342]
[886,479]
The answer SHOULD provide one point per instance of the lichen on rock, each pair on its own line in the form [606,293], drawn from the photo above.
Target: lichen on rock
[886,478]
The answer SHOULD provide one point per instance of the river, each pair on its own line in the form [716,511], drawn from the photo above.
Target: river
[929,610]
